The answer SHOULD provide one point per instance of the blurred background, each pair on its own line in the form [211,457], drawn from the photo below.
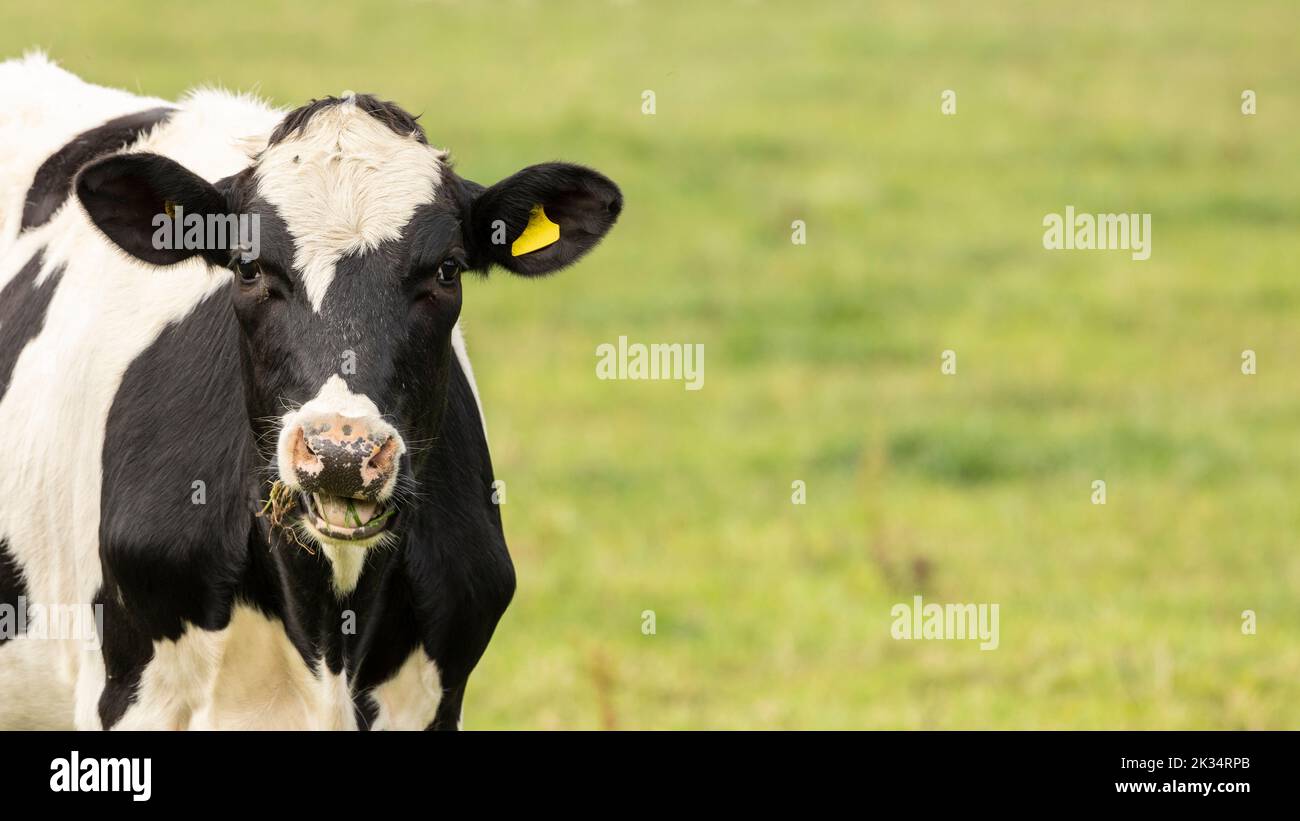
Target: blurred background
[822,361]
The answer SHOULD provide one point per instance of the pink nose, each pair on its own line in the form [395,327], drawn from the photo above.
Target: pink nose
[343,455]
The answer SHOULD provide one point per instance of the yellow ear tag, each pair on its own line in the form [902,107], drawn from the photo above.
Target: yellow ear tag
[539,233]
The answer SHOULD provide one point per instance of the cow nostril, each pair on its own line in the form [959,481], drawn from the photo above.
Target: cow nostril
[383,457]
[343,456]
[302,451]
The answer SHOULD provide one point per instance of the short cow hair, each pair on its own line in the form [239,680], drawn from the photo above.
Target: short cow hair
[390,114]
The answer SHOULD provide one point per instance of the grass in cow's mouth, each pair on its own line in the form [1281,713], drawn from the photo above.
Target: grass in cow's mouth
[345,519]
[279,504]
[333,517]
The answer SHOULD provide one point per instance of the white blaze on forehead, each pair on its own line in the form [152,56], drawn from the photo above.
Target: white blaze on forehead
[343,184]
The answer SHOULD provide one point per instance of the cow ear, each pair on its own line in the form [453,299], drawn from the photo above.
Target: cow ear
[133,199]
[542,218]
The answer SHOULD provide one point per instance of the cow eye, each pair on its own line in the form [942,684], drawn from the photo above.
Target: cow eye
[448,271]
[249,272]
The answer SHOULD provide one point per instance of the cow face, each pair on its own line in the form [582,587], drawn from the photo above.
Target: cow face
[347,307]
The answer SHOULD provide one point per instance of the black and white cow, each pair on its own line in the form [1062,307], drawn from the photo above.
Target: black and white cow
[150,398]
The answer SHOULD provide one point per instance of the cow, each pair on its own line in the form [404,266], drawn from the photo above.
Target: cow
[265,474]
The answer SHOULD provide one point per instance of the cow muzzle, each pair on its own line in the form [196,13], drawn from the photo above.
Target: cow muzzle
[345,469]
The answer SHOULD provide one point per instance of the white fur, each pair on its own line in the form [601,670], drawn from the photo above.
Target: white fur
[263,683]
[30,697]
[344,184]
[346,560]
[177,683]
[462,355]
[410,699]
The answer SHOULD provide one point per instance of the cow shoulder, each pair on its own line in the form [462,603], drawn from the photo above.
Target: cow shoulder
[176,499]
[457,563]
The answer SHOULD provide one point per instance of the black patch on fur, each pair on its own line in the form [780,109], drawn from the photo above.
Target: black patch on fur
[53,181]
[390,114]
[12,586]
[458,547]
[169,561]
[449,710]
[177,420]
[126,649]
[23,305]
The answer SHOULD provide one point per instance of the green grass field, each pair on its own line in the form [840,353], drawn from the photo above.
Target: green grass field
[924,233]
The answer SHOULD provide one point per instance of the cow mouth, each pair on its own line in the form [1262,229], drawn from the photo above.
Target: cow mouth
[346,519]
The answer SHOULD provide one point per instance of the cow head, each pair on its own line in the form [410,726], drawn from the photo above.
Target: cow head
[348,306]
